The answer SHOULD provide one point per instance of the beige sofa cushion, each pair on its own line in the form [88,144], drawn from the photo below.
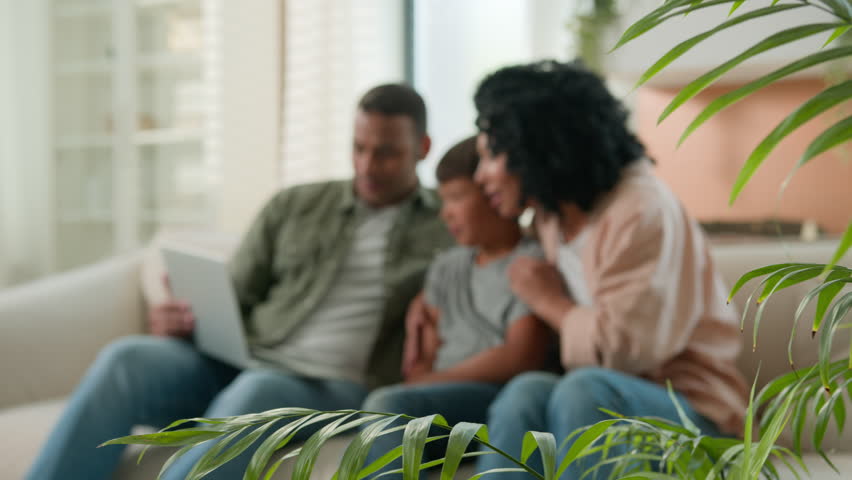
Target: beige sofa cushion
[51,330]
[32,424]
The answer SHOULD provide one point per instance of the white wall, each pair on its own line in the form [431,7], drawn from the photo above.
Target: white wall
[630,61]
[248,80]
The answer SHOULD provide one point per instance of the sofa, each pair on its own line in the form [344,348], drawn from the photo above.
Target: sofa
[51,330]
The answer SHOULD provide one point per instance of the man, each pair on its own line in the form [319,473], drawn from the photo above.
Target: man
[323,278]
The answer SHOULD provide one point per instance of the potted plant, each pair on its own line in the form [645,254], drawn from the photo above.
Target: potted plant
[658,449]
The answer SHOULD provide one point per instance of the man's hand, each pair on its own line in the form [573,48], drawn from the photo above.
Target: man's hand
[172,318]
[421,338]
[539,284]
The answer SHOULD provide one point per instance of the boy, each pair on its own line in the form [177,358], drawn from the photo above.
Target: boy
[482,335]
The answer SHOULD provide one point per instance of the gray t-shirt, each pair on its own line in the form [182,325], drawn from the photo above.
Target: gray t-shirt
[476,303]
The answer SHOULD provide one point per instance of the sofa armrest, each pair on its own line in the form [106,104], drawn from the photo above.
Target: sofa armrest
[51,330]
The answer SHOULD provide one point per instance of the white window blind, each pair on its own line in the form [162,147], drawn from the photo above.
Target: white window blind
[334,50]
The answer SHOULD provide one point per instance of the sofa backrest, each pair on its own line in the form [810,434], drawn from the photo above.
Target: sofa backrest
[776,326]
[735,259]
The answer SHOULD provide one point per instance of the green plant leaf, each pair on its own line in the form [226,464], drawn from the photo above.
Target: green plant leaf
[749,425]
[842,248]
[840,308]
[724,101]
[779,281]
[735,6]
[777,385]
[173,458]
[381,462]
[460,437]
[837,134]
[789,279]
[545,443]
[840,8]
[783,451]
[773,41]
[208,421]
[648,22]
[800,415]
[769,436]
[496,470]
[275,466]
[357,451]
[758,272]
[832,286]
[585,439]
[725,460]
[413,443]
[687,45]
[837,34]
[310,450]
[660,15]
[816,105]
[681,414]
[649,476]
[828,408]
[173,438]
[279,439]
[200,469]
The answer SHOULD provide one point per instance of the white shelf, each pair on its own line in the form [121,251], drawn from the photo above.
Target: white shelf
[146,63]
[174,216]
[165,136]
[168,136]
[160,3]
[170,61]
[93,216]
[84,67]
[82,11]
[71,142]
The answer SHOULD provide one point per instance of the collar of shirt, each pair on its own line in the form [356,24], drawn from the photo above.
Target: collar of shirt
[420,196]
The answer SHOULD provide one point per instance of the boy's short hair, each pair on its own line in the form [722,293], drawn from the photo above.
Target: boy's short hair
[396,99]
[460,161]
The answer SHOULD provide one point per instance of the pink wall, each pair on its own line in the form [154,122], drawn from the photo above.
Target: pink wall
[703,169]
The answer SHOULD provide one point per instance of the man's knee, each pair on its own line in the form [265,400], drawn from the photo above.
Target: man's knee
[133,351]
[256,382]
[390,399]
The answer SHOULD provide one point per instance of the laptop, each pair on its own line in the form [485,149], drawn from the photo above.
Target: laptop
[203,281]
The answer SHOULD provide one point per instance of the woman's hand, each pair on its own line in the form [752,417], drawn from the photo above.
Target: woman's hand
[539,284]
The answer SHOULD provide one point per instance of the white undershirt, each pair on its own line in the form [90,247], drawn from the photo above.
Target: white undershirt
[336,340]
[569,261]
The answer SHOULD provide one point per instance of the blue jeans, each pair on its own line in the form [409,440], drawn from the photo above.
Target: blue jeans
[143,380]
[545,402]
[456,402]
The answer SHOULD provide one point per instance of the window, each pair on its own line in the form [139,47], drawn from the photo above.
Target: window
[456,43]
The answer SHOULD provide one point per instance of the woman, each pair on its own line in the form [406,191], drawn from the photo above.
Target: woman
[628,282]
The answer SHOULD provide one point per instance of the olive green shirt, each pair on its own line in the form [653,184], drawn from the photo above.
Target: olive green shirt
[290,256]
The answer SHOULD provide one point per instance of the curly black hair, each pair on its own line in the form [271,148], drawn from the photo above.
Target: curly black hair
[564,133]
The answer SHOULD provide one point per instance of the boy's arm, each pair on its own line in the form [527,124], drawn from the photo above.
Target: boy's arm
[524,349]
